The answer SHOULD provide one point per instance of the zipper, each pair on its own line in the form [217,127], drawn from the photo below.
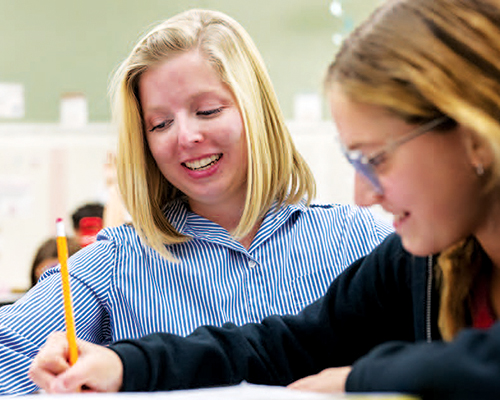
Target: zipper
[428,305]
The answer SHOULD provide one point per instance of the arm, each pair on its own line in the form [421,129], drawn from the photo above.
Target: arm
[334,331]
[358,312]
[25,325]
[466,368]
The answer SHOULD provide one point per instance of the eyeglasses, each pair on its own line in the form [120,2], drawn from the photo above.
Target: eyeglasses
[366,165]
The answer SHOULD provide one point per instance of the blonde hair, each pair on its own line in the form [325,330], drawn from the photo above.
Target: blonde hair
[276,171]
[422,59]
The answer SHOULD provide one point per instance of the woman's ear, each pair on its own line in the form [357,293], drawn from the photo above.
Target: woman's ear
[478,149]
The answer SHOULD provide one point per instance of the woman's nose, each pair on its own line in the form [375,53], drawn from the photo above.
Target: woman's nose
[188,132]
[365,194]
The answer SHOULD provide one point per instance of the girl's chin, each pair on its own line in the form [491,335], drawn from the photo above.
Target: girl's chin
[417,247]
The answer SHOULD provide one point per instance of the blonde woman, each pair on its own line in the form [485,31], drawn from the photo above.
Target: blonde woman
[218,194]
[414,92]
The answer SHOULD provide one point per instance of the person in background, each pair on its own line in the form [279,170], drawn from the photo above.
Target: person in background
[87,222]
[222,227]
[46,257]
[414,92]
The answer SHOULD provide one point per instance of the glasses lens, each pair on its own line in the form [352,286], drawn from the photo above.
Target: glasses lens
[365,169]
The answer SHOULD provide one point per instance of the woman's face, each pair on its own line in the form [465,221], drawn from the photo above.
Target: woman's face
[195,131]
[429,183]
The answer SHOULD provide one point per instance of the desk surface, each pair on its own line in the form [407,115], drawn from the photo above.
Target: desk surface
[243,391]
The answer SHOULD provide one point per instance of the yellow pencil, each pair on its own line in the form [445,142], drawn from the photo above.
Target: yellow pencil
[62,252]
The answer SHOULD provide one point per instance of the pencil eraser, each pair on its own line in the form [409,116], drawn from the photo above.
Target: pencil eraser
[60,227]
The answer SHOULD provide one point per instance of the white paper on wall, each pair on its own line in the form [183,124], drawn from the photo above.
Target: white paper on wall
[74,110]
[11,100]
[15,196]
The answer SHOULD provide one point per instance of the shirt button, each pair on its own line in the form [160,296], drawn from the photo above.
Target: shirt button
[252,264]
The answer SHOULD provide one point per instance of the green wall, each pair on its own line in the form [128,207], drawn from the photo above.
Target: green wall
[58,46]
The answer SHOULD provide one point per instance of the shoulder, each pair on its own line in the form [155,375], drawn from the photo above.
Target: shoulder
[109,245]
[349,218]
[390,255]
[345,211]
[120,235]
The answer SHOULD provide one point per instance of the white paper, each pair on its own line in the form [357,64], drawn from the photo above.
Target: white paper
[74,110]
[243,391]
[11,100]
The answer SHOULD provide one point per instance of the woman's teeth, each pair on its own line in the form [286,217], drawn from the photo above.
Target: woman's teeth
[203,163]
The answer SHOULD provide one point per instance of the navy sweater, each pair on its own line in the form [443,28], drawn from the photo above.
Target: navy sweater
[379,315]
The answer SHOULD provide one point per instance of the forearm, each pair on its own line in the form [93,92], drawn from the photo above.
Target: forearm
[468,367]
[276,352]
[25,325]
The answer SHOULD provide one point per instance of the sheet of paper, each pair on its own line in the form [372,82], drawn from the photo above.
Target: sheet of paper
[11,100]
[243,391]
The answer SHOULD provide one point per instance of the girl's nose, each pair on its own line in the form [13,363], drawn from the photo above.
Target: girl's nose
[365,194]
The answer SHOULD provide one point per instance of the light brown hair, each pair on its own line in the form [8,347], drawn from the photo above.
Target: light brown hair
[422,59]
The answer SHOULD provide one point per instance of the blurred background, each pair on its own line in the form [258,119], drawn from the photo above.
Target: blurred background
[57,57]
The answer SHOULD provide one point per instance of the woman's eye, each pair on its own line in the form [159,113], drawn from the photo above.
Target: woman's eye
[161,126]
[208,113]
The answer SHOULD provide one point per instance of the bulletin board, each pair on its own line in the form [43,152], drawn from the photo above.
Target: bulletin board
[46,172]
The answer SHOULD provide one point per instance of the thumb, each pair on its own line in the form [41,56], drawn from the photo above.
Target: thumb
[73,378]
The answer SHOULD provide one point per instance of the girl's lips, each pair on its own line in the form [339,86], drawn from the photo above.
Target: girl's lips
[399,219]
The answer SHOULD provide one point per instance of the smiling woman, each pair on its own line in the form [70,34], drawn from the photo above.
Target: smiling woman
[222,229]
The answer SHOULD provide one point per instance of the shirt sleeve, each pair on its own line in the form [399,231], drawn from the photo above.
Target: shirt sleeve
[25,325]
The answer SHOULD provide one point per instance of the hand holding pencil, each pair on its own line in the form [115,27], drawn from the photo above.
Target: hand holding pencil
[99,369]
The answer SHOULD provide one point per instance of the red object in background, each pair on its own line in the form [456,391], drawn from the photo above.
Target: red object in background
[89,227]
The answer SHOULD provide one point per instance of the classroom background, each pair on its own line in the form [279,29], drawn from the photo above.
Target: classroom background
[55,129]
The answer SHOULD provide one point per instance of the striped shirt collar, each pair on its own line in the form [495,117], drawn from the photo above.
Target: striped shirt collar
[190,224]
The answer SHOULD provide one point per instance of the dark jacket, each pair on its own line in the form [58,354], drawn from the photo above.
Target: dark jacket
[380,316]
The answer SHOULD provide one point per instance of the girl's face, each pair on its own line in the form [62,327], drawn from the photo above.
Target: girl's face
[195,131]
[428,183]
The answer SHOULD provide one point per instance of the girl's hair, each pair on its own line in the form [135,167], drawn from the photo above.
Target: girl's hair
[276,171]
[47,250]
[422,59]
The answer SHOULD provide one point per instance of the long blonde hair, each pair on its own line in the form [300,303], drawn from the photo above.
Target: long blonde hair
[276,171]
[422,59]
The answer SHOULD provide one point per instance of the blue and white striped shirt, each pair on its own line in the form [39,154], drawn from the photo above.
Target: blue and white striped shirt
[123,289]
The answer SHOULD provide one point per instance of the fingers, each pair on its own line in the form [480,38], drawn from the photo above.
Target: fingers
[98,369]
[50,361]
[306,384]
[327,381]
